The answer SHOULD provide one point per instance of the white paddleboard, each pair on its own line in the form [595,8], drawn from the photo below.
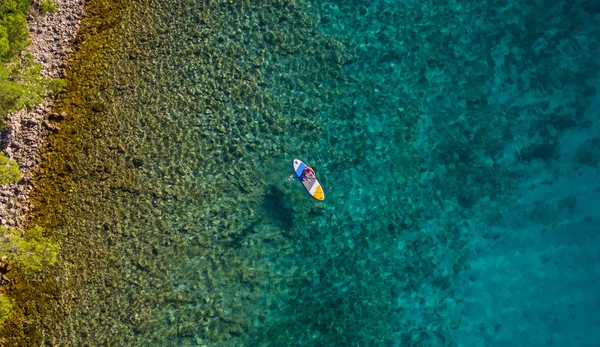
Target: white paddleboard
[310,182]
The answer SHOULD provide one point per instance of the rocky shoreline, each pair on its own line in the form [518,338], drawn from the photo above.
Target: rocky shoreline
[25,130]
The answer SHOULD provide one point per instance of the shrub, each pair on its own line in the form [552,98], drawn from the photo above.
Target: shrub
[9,170]
[4,43]
[30,253]
[47,6]
[22,85]
[14,33]
[5,307]
[12,6]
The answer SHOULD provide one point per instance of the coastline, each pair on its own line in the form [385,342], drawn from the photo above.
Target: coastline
[25,131]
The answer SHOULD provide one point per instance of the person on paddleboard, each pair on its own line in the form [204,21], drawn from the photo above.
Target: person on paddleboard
[308,173]
[308,177]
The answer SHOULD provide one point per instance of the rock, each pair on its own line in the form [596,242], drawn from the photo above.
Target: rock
[138,161]
[5,267]
[51,127]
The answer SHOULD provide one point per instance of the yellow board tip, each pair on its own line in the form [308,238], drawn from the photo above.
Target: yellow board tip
[319,194]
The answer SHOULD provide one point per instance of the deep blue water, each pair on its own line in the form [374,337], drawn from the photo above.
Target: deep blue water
[505,99]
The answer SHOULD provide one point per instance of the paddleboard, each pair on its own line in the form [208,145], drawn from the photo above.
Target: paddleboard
[310,183]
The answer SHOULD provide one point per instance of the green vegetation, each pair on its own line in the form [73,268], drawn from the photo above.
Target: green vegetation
[47,6]
[9,170]
[21,82]
[13,39]
[30,253]
[5,307]
[14,36]
[22,85]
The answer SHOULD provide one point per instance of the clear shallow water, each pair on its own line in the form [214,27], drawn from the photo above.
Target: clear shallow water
[457,143]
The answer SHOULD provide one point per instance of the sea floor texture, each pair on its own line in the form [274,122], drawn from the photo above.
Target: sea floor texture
[458,144]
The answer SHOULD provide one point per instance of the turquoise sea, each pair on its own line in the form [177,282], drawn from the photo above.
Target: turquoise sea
[458,143]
